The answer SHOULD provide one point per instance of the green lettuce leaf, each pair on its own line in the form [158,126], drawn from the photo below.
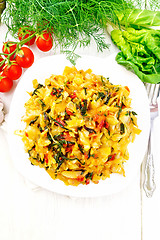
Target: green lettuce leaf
[140,52]
[139,17]
[151,78]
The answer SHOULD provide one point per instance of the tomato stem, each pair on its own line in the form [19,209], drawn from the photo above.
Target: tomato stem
[19,44]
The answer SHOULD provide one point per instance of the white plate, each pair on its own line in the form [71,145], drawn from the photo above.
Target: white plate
[117,74]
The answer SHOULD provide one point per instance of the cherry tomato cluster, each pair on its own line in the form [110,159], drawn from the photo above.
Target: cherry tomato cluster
[17,57]
[44,41]
[11,69]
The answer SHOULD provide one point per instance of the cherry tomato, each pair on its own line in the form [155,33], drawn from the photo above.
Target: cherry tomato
[45,41]
[5,83]
[9,47]
[13,71]
[24,33]
[1,67]
[25,57]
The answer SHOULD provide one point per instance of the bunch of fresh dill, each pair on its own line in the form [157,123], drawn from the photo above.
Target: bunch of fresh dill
[74,22]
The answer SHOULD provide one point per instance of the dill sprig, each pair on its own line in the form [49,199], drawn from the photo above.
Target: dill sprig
[73,22]
[153,5]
